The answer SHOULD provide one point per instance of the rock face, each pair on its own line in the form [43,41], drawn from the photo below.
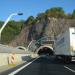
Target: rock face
[49,27]
[21,39]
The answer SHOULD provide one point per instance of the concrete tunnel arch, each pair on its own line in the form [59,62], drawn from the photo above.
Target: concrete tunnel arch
[45,49]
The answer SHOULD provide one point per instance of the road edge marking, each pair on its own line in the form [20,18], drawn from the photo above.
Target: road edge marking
[21,68]
[69,69]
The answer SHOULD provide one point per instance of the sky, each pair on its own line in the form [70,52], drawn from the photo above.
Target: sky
[32,7]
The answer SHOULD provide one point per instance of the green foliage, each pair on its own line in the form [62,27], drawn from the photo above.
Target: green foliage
[41,16]
[11,30]
[73,14]
[56,12]
[30,20]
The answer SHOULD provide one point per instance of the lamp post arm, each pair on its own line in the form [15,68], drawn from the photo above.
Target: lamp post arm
[7,22]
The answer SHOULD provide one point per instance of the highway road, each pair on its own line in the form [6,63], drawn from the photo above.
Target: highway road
[48,66]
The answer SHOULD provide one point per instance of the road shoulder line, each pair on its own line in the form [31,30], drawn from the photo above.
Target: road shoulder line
[16,71]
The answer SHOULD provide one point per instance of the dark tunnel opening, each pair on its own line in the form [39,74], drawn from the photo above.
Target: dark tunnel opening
[45,51]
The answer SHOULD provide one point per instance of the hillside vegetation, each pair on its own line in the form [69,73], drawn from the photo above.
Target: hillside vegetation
[12,29]
[34,28]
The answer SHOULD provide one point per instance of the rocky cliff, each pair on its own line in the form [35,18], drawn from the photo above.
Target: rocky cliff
[46,27]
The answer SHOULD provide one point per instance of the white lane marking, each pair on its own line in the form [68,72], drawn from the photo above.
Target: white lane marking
[69,69]
[16,71]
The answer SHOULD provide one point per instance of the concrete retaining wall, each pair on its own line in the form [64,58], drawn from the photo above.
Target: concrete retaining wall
[8,58]
[13,55]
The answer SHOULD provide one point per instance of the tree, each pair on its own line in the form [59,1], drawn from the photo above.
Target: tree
[41,16]
[56,12]
[30,20]
[11,30]
[73,14]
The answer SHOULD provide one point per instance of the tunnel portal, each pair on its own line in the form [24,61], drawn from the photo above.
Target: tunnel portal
[45,50]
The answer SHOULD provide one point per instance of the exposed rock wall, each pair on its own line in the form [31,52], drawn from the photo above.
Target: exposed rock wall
[46,27]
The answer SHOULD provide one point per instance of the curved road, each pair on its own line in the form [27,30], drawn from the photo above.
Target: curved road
[48,66]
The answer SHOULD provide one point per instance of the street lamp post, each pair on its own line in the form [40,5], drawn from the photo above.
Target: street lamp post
[5,23]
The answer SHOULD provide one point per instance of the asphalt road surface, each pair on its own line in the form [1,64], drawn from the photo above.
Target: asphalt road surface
[48,66]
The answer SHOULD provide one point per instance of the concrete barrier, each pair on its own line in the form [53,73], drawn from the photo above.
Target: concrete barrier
[3,59]
[11,55]
[6,58]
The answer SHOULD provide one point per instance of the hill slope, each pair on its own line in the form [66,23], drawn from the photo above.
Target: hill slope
[45,27]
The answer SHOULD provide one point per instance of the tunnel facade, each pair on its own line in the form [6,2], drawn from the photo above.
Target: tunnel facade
[48,50]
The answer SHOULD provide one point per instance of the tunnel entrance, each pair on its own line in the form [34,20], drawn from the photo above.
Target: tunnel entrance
[45,51]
